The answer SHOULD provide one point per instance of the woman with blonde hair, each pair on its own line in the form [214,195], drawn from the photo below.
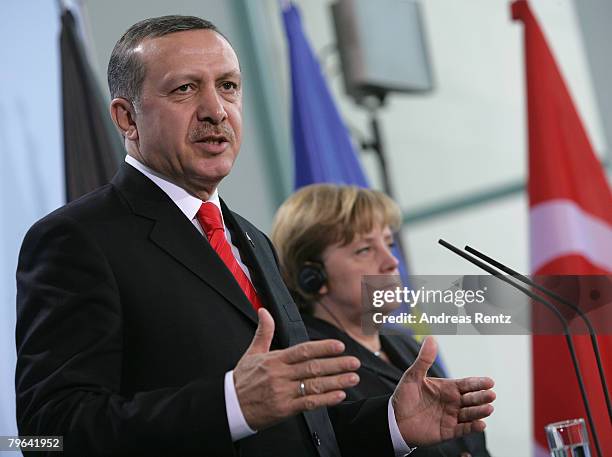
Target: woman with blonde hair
[328,237]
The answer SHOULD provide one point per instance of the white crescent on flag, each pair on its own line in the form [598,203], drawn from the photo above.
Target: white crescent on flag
[561,227]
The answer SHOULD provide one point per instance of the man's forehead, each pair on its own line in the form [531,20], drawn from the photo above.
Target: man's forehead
[202,43]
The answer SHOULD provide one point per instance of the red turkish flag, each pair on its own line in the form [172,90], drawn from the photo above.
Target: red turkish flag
[570,234]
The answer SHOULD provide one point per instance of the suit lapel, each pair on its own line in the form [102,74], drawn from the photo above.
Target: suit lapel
[177,236]
[257,254]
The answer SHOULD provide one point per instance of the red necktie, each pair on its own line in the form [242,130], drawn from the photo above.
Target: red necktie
[209,217]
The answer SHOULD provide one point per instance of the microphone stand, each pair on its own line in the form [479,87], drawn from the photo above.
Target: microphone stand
[524,279]
[549,305]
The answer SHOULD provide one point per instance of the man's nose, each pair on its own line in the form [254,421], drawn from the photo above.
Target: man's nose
[210,107]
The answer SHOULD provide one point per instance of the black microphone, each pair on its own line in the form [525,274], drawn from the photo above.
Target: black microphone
[524,279]
[553,308]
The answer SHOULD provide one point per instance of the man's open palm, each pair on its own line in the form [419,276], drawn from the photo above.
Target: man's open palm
[429,410]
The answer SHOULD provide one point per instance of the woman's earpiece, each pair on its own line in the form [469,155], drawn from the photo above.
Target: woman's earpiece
[311,277]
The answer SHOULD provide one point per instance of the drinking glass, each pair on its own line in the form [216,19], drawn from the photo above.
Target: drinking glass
[568,439]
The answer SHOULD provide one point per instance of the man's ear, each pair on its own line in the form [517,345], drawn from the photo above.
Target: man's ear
[122,111]
[323,290]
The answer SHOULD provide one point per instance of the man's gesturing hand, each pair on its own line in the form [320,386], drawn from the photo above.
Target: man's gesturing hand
[429,410]
[268,382]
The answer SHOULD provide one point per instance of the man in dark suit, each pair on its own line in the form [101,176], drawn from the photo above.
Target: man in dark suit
[137,332]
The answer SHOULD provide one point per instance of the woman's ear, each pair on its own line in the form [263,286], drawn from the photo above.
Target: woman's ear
[122,111]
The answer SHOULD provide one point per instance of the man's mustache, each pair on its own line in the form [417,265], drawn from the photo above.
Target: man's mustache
[206,129]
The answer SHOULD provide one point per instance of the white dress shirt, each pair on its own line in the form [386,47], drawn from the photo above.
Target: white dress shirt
[189,206]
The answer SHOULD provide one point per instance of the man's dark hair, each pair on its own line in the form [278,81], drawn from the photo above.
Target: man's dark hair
[126,71]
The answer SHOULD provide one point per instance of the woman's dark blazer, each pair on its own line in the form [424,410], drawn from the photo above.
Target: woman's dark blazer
[380,378]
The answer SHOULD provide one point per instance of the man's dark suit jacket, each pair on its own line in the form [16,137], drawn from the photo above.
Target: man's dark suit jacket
[127,321]
[377,377]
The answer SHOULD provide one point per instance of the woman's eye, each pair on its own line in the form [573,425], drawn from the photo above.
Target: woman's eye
[363,250]
[391,245]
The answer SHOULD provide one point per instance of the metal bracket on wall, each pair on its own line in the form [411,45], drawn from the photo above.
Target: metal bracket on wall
[452,205]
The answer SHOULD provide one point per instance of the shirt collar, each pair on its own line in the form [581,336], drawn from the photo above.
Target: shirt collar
[187,203]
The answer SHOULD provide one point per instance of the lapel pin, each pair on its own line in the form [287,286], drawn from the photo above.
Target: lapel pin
[249,238]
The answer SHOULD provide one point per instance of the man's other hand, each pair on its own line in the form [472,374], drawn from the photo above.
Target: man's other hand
[430,410]
[268,383]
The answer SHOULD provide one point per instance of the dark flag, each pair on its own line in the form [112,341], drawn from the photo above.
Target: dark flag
[92,148]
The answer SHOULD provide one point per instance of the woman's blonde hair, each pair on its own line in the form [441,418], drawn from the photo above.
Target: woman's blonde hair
[321,215]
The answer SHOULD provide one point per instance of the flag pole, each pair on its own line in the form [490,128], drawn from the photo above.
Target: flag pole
[373,104]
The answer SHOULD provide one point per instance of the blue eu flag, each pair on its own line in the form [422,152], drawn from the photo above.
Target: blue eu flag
[323,148]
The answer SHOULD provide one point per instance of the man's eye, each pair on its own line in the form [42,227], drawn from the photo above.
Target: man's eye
[229,85]
[363,250]
[391,245]
[184,88]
